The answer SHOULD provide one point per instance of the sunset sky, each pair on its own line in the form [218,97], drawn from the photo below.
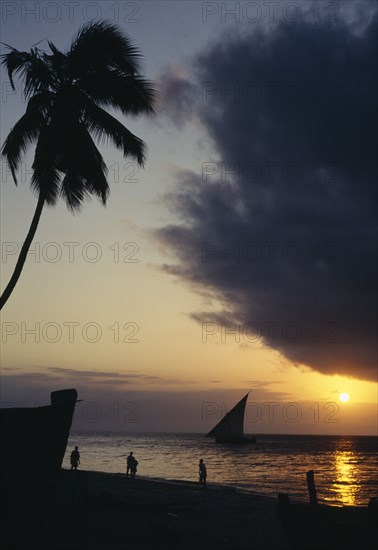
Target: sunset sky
[241,258]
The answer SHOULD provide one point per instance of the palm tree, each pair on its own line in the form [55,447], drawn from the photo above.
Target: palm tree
[67,93]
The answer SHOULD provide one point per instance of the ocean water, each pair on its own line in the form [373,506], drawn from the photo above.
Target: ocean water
[345,466]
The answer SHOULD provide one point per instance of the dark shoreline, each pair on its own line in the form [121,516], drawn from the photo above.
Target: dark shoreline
[98,510]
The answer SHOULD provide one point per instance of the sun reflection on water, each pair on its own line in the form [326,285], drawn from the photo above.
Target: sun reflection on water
[346,476]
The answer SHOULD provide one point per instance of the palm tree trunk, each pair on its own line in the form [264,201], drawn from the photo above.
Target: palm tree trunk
[24,250]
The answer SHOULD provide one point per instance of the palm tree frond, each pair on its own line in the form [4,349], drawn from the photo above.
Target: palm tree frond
[46,174]
[104,126]
[46,181]
[102,44]
[54,49]
[13,62]
[25,131]
[73,191]
[81,162]
[111,88]
[33,69]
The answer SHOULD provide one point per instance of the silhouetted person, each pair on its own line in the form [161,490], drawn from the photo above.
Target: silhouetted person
[129,462]
[134,464]
[75,458]
[202,473]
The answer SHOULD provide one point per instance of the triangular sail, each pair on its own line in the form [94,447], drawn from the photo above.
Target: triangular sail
[232,424]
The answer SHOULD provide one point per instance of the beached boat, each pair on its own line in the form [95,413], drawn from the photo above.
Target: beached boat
[34,443]
[230,430]
[311,527]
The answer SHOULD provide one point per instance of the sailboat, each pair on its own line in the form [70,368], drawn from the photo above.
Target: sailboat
[231,428]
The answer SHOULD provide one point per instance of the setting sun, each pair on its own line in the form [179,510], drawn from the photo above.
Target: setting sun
[344,397]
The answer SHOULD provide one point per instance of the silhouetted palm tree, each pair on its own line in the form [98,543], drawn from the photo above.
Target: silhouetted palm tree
[66,93]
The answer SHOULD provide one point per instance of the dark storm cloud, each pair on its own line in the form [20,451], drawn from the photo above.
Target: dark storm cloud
[281,226]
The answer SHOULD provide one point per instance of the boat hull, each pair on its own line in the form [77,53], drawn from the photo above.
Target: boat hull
[35,443]
[309,527]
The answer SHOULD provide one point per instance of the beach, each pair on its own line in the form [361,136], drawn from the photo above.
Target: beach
[345,467]
[101,510]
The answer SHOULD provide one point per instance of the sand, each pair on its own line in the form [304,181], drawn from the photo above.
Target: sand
[108,511]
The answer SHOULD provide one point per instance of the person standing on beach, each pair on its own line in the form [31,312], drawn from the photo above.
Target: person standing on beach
[75,458]
[134,464]
[129,463]
[202,473]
